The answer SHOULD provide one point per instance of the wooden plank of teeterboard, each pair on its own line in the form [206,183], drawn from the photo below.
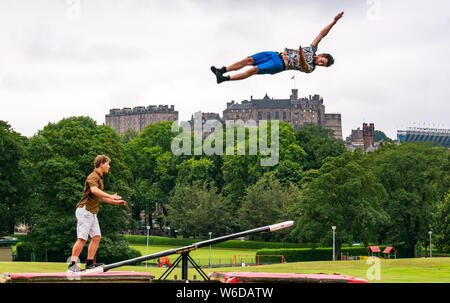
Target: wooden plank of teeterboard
[262,277]
[108,277]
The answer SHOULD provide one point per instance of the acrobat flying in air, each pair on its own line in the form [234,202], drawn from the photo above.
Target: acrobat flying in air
[303,59]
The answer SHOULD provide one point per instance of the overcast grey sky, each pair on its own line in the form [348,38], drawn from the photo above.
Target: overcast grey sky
[61,58]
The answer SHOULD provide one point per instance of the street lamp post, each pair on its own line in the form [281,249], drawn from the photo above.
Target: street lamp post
[148,231]
[430,232]
[210,233]
[334,242]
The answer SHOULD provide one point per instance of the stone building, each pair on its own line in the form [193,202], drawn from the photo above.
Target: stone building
[195,122]
[295,111]
[368,136]
[139,117]
[356,136]
[362,138]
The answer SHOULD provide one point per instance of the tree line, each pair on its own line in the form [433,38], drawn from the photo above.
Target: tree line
[394,195]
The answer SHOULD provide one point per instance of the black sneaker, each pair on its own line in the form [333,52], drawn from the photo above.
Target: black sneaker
[215,70]
[219,76]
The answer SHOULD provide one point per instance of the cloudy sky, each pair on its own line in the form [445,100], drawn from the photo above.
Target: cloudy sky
[62,58]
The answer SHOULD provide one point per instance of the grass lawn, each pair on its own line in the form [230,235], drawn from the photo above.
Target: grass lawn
[419,270]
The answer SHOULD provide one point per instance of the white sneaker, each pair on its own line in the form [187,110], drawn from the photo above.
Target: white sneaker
[74,268]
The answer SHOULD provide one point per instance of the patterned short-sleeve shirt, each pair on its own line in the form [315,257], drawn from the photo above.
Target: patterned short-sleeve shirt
[293,57]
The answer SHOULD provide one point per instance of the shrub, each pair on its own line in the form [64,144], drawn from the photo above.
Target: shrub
[111,249]
[318,254]
[155,240]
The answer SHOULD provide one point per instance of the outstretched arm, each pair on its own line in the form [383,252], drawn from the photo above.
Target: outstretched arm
[325,31]
[101,194]
[114,201]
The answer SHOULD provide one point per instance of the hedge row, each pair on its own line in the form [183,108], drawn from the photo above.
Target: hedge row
[155,240]
[318,254]
[110,251]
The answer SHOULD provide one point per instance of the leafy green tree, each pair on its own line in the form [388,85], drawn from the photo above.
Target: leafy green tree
[193,170]
[296,154]
[153,168]
[238,173]
[266,203]
[441,224]
[345,194]
[129,135]
[413,177]
[287,142]
[12,187]
[380,136]
[288,171]
[318,143]
[198,208]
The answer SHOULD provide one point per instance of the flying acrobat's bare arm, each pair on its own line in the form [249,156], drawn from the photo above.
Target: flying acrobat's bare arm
[325,31]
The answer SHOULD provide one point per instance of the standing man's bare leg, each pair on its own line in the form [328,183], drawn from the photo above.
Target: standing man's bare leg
[93,246]
[74,259]
[77,248]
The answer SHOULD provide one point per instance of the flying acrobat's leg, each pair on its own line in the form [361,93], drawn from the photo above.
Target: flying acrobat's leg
[233,67]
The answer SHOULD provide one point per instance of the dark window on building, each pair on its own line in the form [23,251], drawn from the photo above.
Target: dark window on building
[268,116]
[259,116]
[277,115]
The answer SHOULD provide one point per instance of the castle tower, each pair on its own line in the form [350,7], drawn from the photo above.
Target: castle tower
[368,135]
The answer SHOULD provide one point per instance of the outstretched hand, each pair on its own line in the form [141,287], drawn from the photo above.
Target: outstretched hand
[121,202]
[116,197]
[338,16]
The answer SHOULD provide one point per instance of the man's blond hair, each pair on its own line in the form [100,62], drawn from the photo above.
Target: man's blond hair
[101,159]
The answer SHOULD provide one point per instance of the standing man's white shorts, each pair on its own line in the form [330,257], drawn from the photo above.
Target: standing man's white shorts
[87,224]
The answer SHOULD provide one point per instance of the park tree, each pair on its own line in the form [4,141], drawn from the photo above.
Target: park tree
[245,167]
[318,143]
[441,224]
[12,187]
[342,193]
[288,171]
[198,208]
[380,136]
[153,168]
[129,135]
[267,202]
[192,170]
[238,173]
[415,177]
[60,157]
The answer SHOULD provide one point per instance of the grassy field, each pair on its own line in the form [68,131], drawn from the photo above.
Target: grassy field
[419,270]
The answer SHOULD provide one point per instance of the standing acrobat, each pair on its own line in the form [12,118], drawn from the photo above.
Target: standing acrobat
[86,213]
[304,59]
